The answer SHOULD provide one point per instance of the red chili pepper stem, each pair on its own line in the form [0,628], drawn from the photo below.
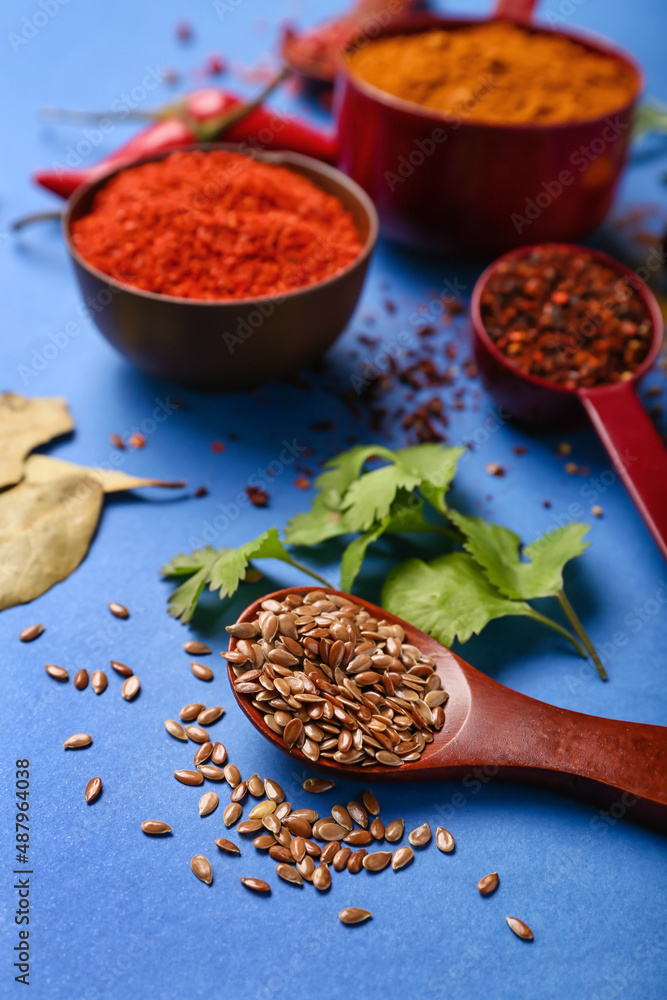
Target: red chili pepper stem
[217,126]
[27,220]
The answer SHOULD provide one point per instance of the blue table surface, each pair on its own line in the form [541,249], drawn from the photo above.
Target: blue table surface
[114,913]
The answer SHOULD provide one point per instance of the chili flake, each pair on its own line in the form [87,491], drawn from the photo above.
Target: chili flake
[257,497]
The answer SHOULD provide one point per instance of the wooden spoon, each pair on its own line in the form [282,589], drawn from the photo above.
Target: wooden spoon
[498,732]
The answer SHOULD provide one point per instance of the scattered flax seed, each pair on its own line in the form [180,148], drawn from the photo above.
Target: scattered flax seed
[493,469]
[208,803]
[189,777]
[121,668]
[201,867]
[202,753]
[218,754]
[175,729]
[289,874]
[232,814]
[342,816]
[227,845]
[394,831]
[402,857]
[341,858]
[30,633]
[136,440]
[371,803]
[262,809]
[322,878]
[488,884]
[317,785]
[596,510]
[98,681]
[444,840]
[201,672]
[233,777]
[155,827]
[93,789]
[354,915]
[77,741]
[118,610]
[58,673]
[306,867]
[196,734]
[273,790]
[520,929]
[131,687]
[377,828]
[571,468]
[564,448]
[249,826]
[81,680]
[211,772]
[196,648]
[358,838]
[358,813]
[356,861]
[264,842]
[376,861]
[329,852]
[190,712]
[117,441]
[210,715]
[256,884]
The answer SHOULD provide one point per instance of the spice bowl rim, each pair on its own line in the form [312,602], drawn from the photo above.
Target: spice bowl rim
[623,271]
[591,40]
[285,159]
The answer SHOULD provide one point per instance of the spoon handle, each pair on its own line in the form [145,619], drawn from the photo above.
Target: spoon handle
[622,764]
[637,453]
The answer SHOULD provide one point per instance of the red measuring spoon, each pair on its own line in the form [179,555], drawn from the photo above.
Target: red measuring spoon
[636,451]
[498,732]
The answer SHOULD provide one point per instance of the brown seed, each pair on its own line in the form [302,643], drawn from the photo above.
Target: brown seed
[196,648]
[227,845]
[322,877]
[271,823]
[298,848]
[356,861]
[341,858]
[201,672]
[256,786]
[262,809]
[233,776]
[81,680]
[312,848]
[264,842]
[306,867]
[189,777]
[218,754]
[232,813]
[289,873]
[77,741]
[202,753]
[358,837]
[130,688]
[30,633]
[376,861]
[293,732]
[201,866]
[377,828]
[121,668]
[388,758]
[155,827]
[239,793]
[488,884]
[520,929]
[58,673]
[196,734]
[93,789]
[242,630]
[358,814]
[317,785]
[371,804]
[342,816]
[119,610]
[249,826]
[256,884]
[444,840]
[310,815]
[207,803]
[394,831]
[176,730]
[329,852]
[283,810]
[210,715]
[280,853]
[402,857]
[354,915]
[98,681]
[420,835]
[190,712]
[273,790]
[211,772]
[330,831]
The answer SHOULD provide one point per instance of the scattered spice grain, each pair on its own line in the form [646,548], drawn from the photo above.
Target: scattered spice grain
[58,673]
[155,827]
[520,929]
[30,633]
[201,867]
[354,915]
[488,884]
[118,610]
[93,789]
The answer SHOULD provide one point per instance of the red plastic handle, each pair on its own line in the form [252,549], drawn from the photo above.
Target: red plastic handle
[635,448]
[515,10]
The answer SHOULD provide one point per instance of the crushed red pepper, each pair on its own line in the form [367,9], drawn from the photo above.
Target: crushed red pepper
[566,317]
[216,225]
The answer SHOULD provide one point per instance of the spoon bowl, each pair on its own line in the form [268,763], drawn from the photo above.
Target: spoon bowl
[492,731]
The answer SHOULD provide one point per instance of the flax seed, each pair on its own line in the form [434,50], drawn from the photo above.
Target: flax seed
[306,867]
[255,786]
[197,734]
[190,712]
[289,874]
[342,816]
[402,857]
[121,668]
[256,884]
[130,688]
[520,929]
[77,741]
[356,861]
[358,837]
[376,861]
[358,814]
[322,878]
[317,785]
[298,848]
[341,858]
[239,793]
[93,789]
[118,610]
[488,884]
[201,672]
[371,804]
[232,813]
[249,826]
[211,772]
[264,842]
[203,753]
[377,829]
[444,840]
[329,852]
[394,831]
[176,730]
[98,681]
[30,633]
[196,648]
[81,680]
[227,845]
[201,867]
[210,715]
[233,776]
[189,777]
[58,673]
[420,836]
[262,809]
[155,827]
[273,790]
[279,853]
[218,754]
[208,803]
[354,915]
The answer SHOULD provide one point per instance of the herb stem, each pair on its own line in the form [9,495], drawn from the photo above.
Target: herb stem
[310,572]
[581,632]
[558,628]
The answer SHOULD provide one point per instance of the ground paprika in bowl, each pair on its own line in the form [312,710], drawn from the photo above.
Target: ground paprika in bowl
[484,160]
[224,278]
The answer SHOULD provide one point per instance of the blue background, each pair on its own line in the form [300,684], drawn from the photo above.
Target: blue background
[114,912]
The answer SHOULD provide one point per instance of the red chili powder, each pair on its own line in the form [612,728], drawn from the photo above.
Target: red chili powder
[216,225]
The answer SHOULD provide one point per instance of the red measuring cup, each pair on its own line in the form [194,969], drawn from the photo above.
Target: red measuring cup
[637,453]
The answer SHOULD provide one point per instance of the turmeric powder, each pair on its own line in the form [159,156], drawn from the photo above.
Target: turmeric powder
[497,72]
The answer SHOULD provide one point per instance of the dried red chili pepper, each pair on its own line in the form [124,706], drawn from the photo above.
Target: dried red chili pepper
[566,317]
[216,225]
[195,120]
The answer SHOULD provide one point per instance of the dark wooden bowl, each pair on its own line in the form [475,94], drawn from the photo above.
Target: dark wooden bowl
[236,343]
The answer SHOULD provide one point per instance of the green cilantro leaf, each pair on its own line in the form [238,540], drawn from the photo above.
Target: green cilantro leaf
[229,568]
[496,549]
[354,554]
[435,465]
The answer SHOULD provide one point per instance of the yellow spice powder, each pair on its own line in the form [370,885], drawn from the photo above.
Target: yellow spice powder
[497,72]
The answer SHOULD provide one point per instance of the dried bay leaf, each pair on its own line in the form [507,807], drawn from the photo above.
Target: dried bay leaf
[24,424]
[41,468]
